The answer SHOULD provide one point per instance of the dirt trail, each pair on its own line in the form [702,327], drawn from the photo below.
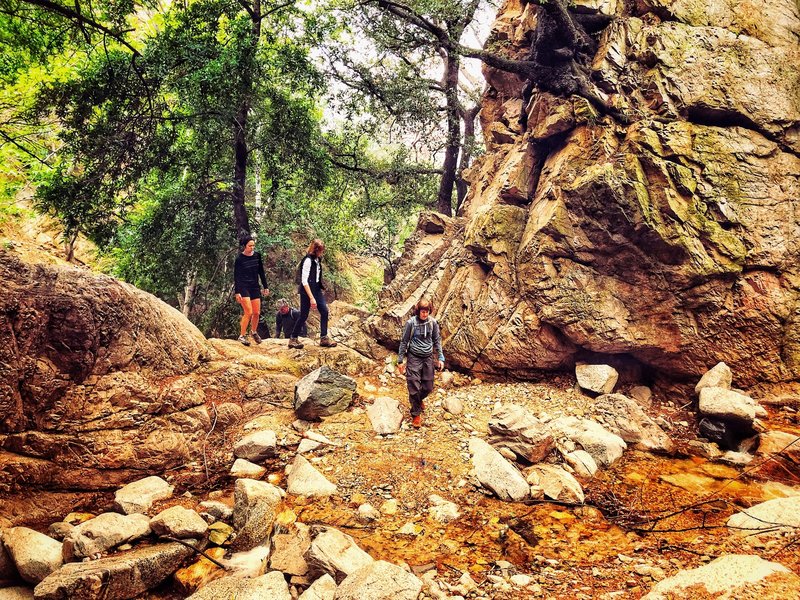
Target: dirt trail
[571,552]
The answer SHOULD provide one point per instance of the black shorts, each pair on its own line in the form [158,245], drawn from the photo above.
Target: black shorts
[252,293]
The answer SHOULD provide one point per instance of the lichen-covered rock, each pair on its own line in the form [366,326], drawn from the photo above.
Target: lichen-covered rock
[179,522]
[335,553]
[271,585]
[496,474]
[730,576]
[254,512]
[669,236]
[125,575]
[35,555]
[380,580]
[102,533]
[322,393]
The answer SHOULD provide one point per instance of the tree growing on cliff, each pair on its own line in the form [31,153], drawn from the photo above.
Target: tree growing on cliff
[562,46]
[561,49]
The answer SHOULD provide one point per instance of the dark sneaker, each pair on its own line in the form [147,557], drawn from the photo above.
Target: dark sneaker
[257,338]
[293,343]
[244,340]
[327,342]
[417,421]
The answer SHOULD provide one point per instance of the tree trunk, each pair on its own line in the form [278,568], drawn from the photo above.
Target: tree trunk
[189,291]
[240,150]
[70,246]
[466,153]
[444,202]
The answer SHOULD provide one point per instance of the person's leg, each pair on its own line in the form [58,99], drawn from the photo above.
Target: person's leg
[247,307]
[322,307]
[414,383]
[426,386]
[256,304]
[305,306]
[248,312]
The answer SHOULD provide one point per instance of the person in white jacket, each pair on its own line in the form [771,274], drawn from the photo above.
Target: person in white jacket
[310,285]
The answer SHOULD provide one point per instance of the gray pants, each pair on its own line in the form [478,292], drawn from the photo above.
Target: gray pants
[419,378]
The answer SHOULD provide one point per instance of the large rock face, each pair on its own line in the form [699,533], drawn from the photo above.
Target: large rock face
[92,387]
[671,238]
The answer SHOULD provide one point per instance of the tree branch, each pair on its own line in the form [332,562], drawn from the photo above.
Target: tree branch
[80,19]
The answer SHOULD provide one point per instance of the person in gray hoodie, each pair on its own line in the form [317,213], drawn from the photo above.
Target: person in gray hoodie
[421,344]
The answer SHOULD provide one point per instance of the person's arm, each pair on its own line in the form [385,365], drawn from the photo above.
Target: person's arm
[305,272]
[437,344]
[237,274]
[278,320]
[263,276]
[401,353]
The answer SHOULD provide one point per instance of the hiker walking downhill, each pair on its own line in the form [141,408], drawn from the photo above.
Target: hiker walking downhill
[310,285]
[422,344]
[247,270]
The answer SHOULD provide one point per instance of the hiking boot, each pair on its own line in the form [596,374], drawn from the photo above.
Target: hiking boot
[257,338]
[327,342]
[293,343]
[417,421]
[244,340]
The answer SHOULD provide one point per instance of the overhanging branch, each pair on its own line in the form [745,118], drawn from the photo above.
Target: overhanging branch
[81,20]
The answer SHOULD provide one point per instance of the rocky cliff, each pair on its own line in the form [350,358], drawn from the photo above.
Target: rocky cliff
[658,224]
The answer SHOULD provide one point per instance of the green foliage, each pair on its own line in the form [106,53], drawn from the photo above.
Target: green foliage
[127,137]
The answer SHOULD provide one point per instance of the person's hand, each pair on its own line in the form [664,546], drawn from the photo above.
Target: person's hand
[314,304]
[402,368]
[238,297]
[439,365]
[265,292]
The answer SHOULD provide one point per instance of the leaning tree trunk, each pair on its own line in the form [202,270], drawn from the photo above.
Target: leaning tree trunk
[445,198]
[467,145]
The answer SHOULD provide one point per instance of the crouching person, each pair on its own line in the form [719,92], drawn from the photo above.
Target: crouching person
[421,345]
